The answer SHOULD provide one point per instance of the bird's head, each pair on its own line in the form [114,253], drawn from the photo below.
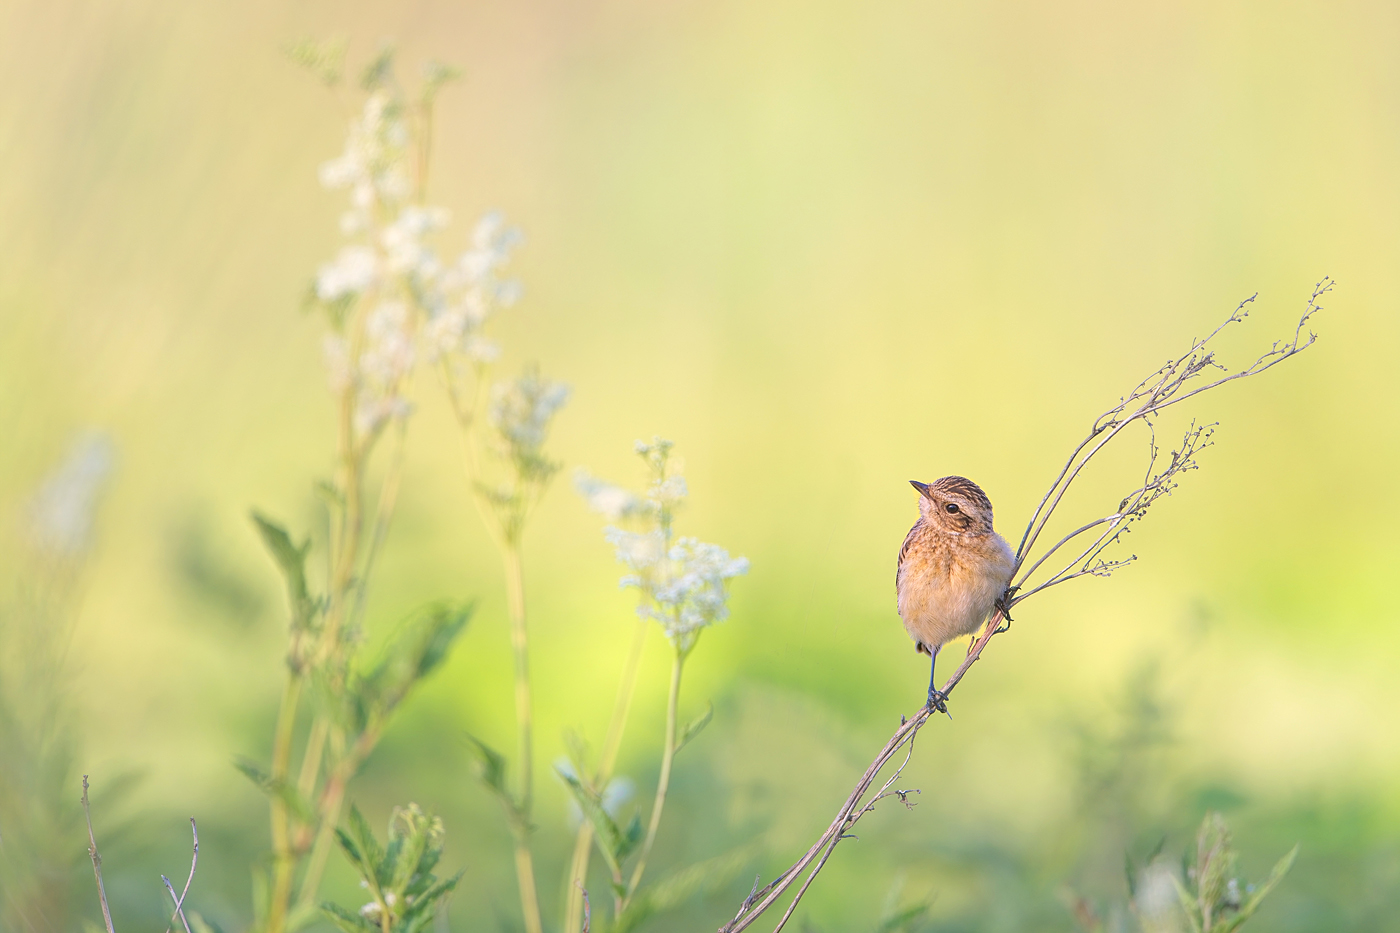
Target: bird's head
[955,504]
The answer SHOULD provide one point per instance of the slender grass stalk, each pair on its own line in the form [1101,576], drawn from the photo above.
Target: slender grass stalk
[623,706]
[576,892]
[520,646]
[311,759]
[668,755]
[332,798]
[284,868]
[525,799]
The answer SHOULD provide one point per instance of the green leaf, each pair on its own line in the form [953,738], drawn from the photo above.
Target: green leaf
[1215,863]
[631,836]
[1256,898]
[347,921]
[1133,870]
[424,877]
[489,767]
[414,651]
[278,790]
[291,561]
[692,728]
[425,904]
[329,492]
[371,855]
[379,71]
[1188,904]
[613,843]
[352,852]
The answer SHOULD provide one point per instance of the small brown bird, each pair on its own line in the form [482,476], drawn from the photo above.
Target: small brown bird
[953,568]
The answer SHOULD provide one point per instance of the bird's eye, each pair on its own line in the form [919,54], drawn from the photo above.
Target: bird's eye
[951,507]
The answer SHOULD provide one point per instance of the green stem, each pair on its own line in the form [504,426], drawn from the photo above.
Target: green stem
[284,866]
[311,761]
[348,763]
[525,795]
[578,865]
[332,798]
[668,755]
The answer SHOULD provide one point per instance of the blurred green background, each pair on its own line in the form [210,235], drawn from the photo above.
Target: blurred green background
[826,248]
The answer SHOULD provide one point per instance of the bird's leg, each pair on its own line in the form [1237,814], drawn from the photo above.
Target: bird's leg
[936,698]
[1003,604]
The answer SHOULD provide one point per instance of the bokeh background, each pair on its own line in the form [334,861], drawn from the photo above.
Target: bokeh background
[826,248]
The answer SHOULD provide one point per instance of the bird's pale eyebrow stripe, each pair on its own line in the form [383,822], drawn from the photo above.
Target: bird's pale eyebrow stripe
[962,486]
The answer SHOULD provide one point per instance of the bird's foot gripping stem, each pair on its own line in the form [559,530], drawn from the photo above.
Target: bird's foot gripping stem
[1003,605]
[938,700]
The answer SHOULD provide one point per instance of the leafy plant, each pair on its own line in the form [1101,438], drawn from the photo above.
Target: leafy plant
[404,893]
[1211,899]
[1211,896]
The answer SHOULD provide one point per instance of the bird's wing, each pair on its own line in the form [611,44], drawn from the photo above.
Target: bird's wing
[904,552]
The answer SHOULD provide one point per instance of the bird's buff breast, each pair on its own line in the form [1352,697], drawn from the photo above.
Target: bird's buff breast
[948,585]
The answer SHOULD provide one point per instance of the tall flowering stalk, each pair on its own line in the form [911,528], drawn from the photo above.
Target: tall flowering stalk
[508,473]
[684,586]
[503,428]
[379,296]
[435,312]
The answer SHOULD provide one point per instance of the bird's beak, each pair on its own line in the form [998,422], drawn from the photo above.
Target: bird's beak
[922,487]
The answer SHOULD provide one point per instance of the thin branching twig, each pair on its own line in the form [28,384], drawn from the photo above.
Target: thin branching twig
[1173,383]
[587,908]
[179,910]
[96,859]
[180,901]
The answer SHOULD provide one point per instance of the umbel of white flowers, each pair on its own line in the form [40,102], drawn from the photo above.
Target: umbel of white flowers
[61,512]
[420,308]
[683,581]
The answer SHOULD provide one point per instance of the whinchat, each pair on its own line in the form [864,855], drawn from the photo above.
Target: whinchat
[953,568]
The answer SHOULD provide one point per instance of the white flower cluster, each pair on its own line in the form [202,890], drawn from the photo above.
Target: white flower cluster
[1157,901]
[520,412]
[61,512]
[417,306]
[685,587]
[684,583]
[372,910]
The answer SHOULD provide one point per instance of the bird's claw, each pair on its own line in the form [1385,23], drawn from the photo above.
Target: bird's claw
[1003,605]
[938,700]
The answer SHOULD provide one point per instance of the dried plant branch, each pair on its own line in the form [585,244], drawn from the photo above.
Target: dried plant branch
[179,909]
[587,908]
[180,901]
[96,859]
[1178,380]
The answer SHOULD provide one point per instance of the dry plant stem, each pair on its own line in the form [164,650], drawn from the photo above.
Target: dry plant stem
[180,901]
[852,810]
[96,859]
[578,866]
[1154,394]
[664,781]
[851,821]
[179,908]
